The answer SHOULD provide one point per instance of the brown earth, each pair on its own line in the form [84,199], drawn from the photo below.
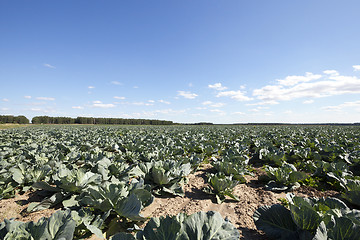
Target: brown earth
[16,208]
[195,200]
[251,196]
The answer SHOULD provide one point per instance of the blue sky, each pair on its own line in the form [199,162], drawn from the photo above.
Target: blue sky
[186,61]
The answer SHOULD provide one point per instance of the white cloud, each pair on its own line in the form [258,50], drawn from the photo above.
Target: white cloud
[116,83]
[356,67]
[308,101]
[156,113]
[46,110]
[207,103]
[48,65]
[211,104]
[99,104]
[263,103]
[5,100]
[46,98]
[151,101]
[142,104]
[77,107]
[217,86]
[4,109]
[332,108]
[293,80]
[36,103]
[237,95]
[187,95]
[238,113]
[351,104]
[355,105]
[27,97]
[269,114]
[103,105]
[170,111]
[135,87]
[330,85]
[120,98]
[164,102]
[331,72]
[136,103]
[258,109]
[91,87]
[217,105]
[220,112]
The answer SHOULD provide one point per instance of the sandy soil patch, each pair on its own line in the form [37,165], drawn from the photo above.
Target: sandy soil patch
[16,208]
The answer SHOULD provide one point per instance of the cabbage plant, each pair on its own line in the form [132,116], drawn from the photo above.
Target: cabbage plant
[235,169]
[68,184]
[309,218]
[7,191]
[198,226]
[284,178]
[221,186]
[60,226]
[352,192]
[337,172]
[165,176]
[124,199]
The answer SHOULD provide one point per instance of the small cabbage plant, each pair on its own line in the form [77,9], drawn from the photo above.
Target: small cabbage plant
[284,178]
[221,186]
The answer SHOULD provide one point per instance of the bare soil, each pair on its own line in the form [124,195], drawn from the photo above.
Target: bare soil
[239,213]
[15,208]
[251,195]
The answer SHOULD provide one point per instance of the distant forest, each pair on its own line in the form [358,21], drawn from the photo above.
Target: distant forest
[13,119]
[81,120]
[130,121]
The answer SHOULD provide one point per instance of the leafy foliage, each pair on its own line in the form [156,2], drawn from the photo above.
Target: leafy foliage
[352,193]
[198,226]
[221,186]
[125,200]
[309,218]
[236,169]
[166,176]
[284,178]
[59,226]
[74,167]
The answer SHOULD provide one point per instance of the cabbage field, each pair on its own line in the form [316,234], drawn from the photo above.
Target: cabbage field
[180,182]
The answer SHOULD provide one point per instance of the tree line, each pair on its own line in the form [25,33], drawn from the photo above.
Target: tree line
[13,119]
[91,120]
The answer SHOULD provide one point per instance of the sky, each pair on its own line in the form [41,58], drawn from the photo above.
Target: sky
[233,61]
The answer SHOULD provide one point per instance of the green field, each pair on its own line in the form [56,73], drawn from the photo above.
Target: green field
[97,176]
[11,125]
